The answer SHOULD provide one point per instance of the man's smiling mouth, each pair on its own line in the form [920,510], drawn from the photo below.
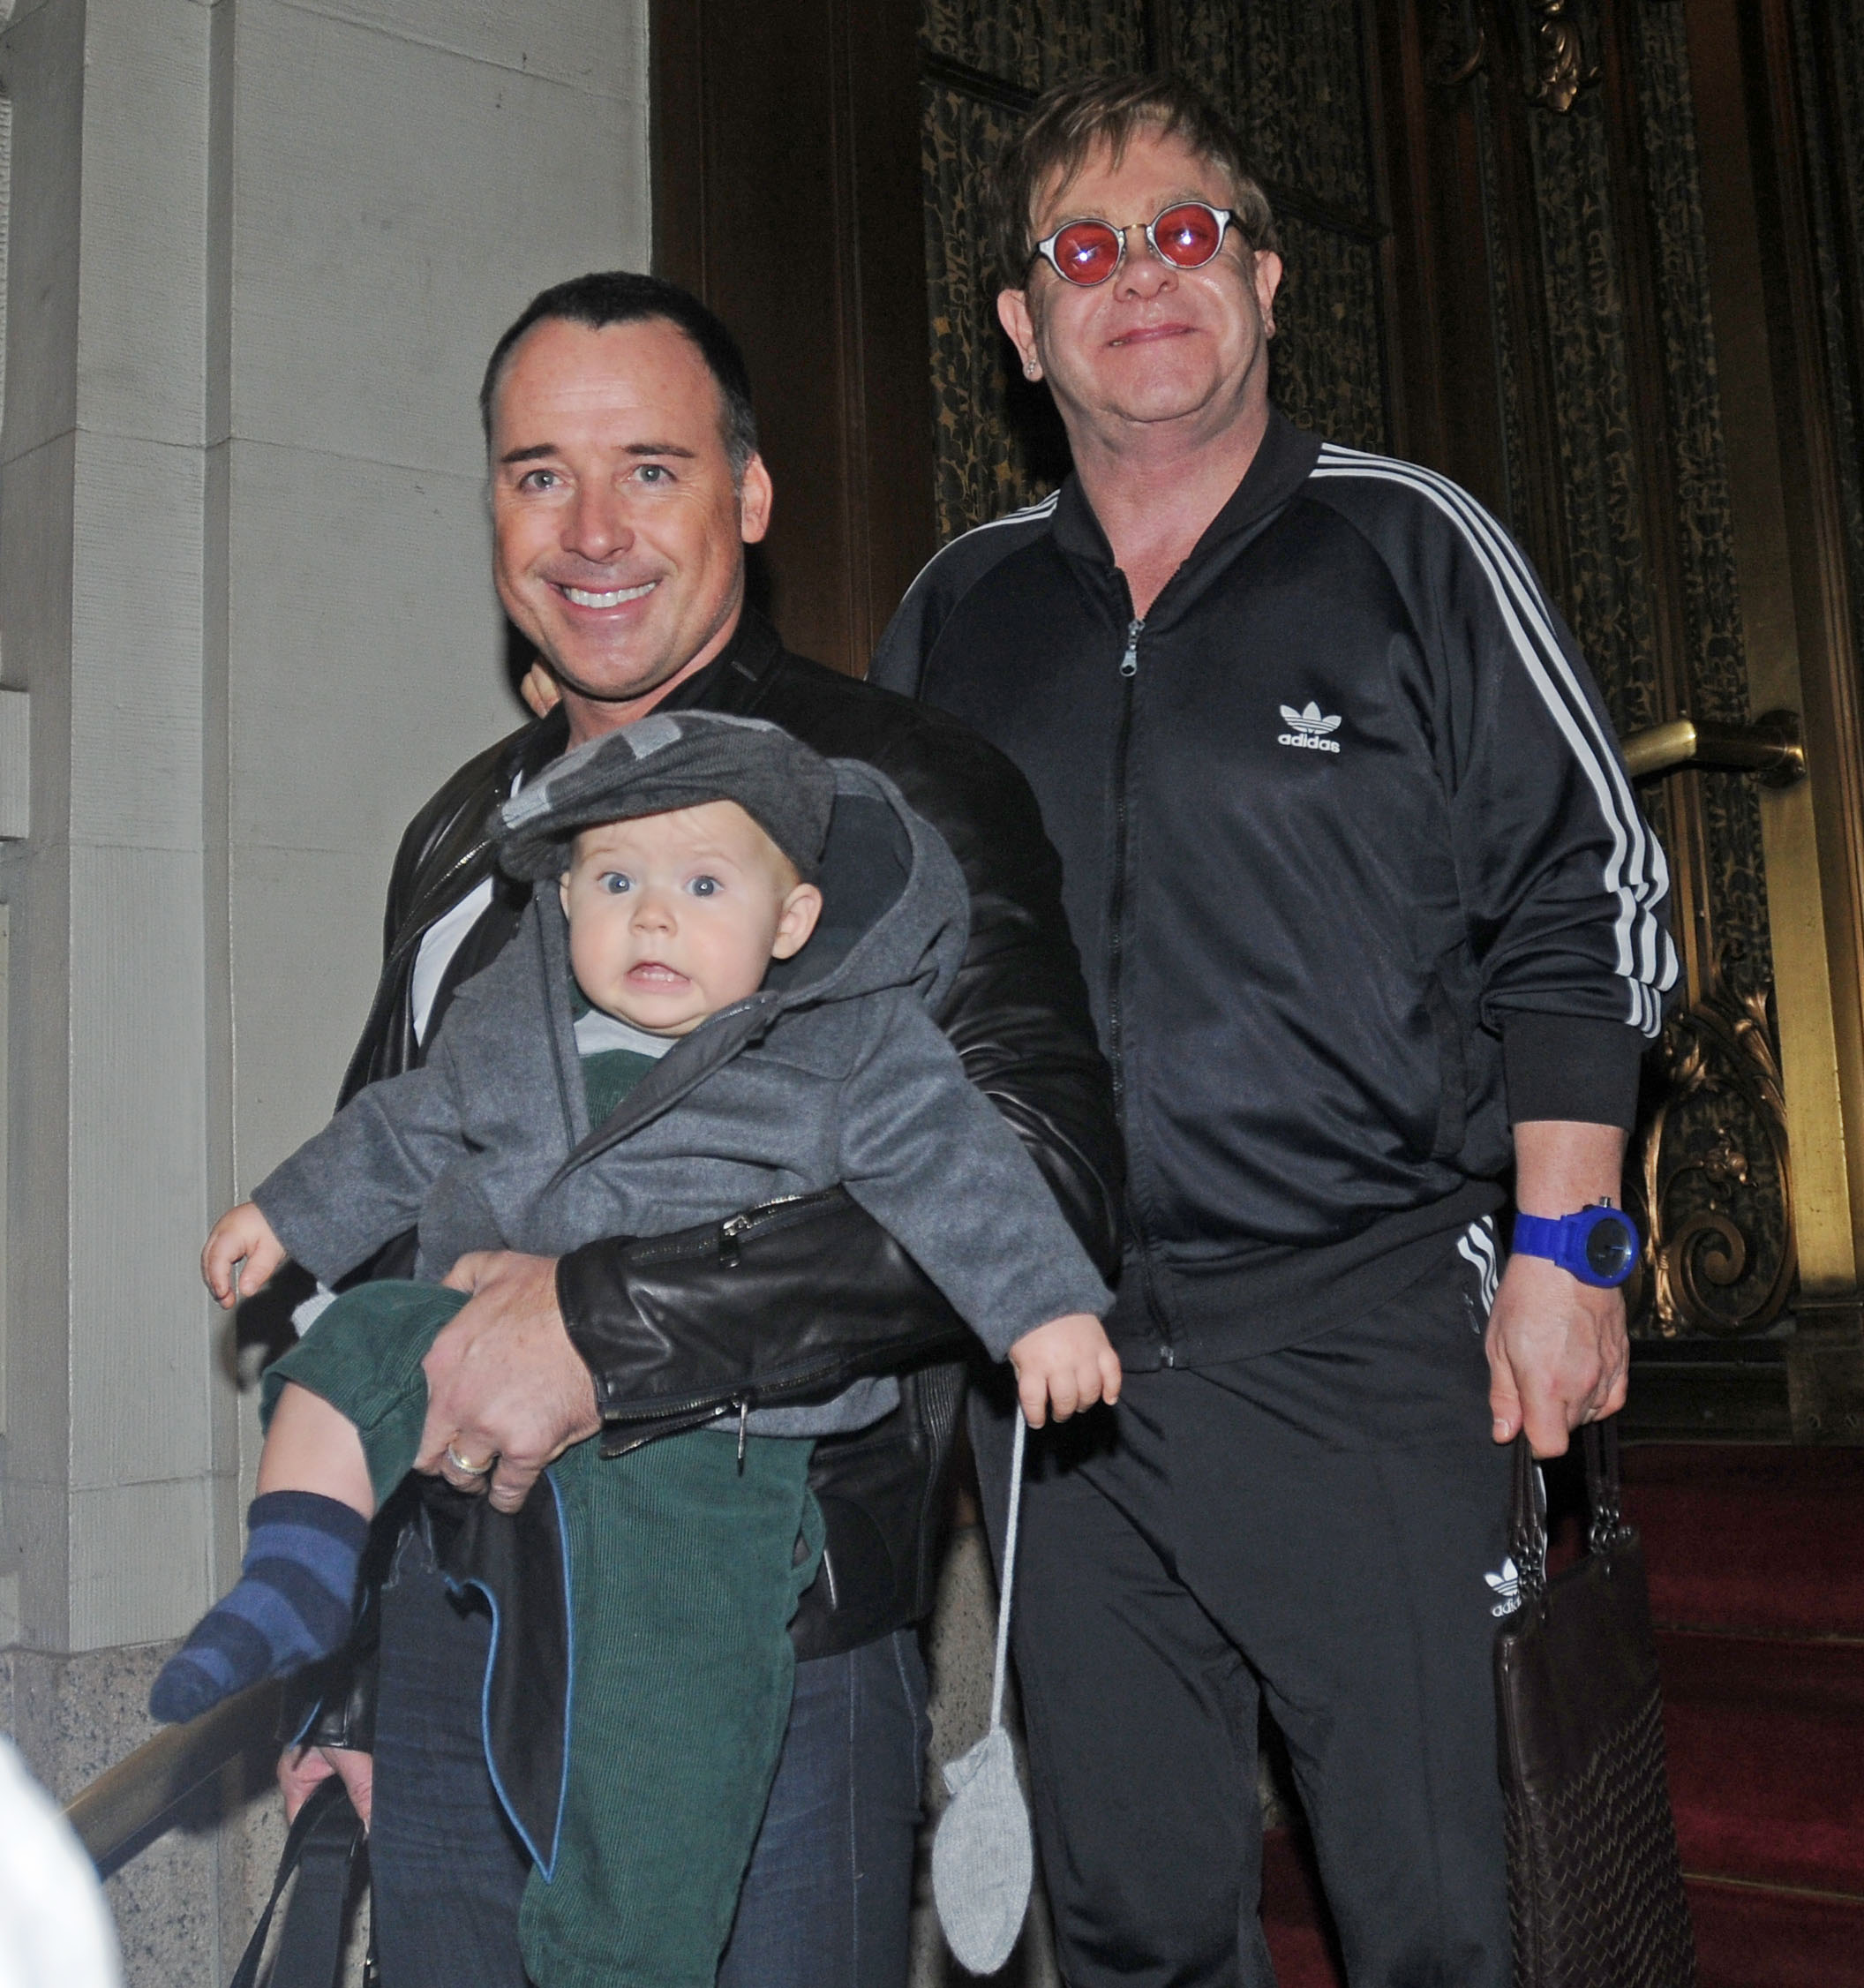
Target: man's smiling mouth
[1146,335]
[582,597]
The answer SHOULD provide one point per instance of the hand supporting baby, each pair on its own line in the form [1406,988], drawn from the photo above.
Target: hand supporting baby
[1068,1365]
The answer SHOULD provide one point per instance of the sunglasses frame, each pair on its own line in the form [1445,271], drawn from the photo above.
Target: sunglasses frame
[1225,219]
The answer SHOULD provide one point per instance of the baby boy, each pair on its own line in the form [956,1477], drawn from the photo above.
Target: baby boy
[722,995]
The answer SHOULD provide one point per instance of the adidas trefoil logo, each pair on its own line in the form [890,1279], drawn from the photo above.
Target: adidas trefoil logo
[1309,729]
[1506,1586]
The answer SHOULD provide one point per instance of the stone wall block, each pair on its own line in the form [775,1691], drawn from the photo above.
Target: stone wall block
[601,50]
[143,267]
[396,206]
[135,657]
[41,59]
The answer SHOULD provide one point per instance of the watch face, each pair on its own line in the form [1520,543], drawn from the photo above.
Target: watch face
[1610,1248]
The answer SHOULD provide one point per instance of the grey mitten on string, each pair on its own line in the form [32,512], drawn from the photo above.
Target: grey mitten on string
[982,1857]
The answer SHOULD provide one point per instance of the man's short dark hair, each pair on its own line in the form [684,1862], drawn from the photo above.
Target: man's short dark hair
[621,296]
[1074,120]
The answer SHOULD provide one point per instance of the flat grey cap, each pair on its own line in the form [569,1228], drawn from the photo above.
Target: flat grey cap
[667,760]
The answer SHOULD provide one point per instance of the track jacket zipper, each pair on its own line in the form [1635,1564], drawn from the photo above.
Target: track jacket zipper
[1116,906]
[1116,945]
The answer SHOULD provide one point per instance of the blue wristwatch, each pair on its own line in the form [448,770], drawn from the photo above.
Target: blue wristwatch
[1599,1245]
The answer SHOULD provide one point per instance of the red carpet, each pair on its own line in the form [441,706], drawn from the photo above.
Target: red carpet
[1756,1565]
[1293,1915]
[1767,1758]
[1774,1939]
[1753,1538]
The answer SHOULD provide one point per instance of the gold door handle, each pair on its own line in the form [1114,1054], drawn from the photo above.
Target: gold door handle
[1770,747]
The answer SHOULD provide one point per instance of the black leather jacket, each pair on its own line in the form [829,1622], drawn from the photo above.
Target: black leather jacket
[792,1303]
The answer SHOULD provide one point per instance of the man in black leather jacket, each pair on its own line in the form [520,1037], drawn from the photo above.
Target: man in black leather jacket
[624,485]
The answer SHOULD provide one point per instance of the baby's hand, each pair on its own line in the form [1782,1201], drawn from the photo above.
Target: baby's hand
[1068,1362]
[242,1241]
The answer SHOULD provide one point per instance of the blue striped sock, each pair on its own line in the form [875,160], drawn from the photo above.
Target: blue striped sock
[294,1604]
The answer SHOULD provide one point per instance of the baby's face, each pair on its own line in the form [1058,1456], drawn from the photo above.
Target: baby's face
[674,916]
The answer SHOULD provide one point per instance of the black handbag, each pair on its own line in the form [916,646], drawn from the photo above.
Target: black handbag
[1595,1888]
[322,1848]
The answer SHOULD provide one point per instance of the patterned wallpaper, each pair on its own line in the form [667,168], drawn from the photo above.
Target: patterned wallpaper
[1610,605]
[1715,664]
[1501,330]
[998,442]
[1032,43]
[1583,239]
[1294,75]
[1329,358]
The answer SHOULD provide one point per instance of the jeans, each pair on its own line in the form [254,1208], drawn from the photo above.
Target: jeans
[447,1870]
[826,1900]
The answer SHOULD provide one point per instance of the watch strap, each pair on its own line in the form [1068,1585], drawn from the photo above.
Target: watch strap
[1540,1235]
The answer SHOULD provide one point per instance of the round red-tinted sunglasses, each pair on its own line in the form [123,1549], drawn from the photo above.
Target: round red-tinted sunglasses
[1186,235]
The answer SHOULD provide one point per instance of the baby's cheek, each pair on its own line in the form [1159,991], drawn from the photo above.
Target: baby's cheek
[594,942]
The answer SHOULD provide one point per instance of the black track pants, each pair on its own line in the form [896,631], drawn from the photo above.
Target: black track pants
[1315,1524]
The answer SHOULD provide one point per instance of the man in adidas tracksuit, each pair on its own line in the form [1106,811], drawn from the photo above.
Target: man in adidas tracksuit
[1369,916]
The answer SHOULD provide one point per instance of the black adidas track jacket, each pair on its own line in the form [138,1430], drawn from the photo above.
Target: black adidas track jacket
[1351,859]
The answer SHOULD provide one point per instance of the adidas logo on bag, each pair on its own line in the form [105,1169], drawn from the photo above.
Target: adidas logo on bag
[1309,729]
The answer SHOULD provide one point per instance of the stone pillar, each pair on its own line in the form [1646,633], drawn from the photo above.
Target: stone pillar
[257,255]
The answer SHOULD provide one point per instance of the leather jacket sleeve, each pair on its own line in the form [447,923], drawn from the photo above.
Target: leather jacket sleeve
[785,1304]
[794,1302]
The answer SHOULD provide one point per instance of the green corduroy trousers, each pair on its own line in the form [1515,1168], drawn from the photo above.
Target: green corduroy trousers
[684,1570]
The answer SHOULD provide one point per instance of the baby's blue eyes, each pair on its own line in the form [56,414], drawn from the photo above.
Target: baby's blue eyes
[618,884]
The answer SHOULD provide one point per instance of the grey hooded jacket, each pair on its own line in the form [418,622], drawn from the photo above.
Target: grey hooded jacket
[833,1072]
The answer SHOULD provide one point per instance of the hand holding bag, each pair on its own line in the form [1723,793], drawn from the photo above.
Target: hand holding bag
[1595,1888]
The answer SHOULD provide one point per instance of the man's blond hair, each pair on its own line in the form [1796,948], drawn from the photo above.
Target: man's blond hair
[1072,121]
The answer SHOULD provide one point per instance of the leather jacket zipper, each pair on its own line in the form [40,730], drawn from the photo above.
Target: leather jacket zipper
[751,1221]
[675,1417]
[615,1444]
[723,1239]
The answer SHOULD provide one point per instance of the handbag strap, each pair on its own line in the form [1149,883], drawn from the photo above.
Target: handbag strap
[1528,1504]
[1599,1442]
[320,1847]
[1528,1522]
[1008,1577]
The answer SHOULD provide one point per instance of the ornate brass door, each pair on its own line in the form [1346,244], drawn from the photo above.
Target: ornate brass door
[1594,258]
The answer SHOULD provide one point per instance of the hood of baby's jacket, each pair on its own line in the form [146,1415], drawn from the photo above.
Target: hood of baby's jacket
[896,911]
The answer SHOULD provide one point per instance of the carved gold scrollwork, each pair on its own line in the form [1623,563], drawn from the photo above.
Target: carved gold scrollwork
[1559,61]
[1712,1175]
[1449,64]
